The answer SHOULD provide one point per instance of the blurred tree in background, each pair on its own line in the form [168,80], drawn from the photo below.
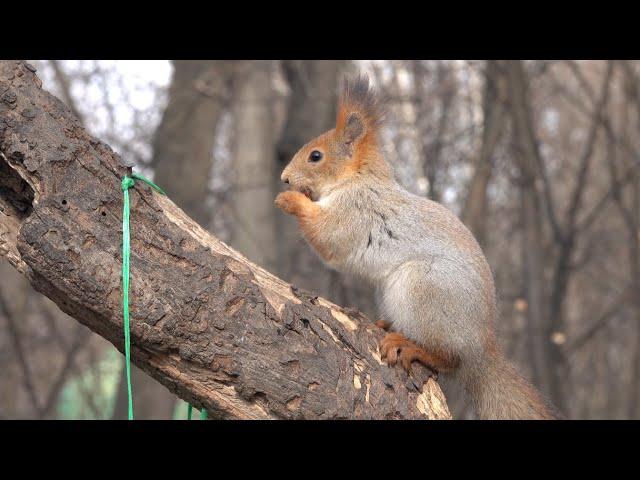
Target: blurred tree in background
[539,158]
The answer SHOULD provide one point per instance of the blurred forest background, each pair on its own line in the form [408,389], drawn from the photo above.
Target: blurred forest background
[541,159]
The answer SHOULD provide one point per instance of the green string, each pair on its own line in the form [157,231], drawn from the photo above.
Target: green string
[203,413]
[127,183]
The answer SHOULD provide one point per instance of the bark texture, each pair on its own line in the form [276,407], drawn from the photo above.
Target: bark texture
[215,329]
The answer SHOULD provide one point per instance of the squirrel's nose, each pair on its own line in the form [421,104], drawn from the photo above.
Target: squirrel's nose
[284,177]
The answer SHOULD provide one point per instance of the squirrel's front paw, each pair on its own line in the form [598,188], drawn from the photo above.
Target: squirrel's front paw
[290,201]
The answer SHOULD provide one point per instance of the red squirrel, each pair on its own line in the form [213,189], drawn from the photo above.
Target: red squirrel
[434,286]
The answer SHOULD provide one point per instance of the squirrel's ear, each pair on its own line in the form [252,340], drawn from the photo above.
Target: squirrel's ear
[360,112]
[354,128]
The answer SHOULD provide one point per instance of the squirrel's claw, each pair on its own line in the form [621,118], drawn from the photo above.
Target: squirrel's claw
[409,354]
[390,347]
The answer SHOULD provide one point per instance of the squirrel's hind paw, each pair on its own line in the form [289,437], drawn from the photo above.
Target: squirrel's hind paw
[383,324]
[396,347]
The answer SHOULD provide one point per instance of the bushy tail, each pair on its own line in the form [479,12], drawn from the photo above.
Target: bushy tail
[498,392]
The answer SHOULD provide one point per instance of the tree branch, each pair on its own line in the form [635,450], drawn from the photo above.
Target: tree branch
[217,330]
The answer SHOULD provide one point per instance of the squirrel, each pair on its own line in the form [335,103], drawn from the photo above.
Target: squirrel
[433,284]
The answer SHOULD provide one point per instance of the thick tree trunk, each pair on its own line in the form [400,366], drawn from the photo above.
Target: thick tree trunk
[183,143]
[474,213]
[545,355]
[214,328]
[254,163]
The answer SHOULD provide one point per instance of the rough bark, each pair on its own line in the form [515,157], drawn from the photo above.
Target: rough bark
[215,329]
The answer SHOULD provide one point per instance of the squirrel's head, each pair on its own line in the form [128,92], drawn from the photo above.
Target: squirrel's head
[351,148]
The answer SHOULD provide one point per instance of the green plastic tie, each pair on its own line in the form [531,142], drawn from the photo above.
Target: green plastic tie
[203,412]
[127,183]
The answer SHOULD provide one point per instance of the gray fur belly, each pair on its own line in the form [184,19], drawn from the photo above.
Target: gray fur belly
[435,303]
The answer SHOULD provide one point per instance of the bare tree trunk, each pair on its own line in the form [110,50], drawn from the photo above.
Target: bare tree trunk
[629,209]
[474,212]
[634,267]
[541,349]
[254,163]
[13,307]
[214,328]
[182,156]
[432,152]
[183,142]
[548,358]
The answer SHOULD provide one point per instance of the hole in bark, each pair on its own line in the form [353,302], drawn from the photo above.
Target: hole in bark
[15,192]
[64,202]
[305,322]
[104,214]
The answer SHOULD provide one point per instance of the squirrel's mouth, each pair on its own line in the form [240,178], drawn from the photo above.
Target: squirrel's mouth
[307,192]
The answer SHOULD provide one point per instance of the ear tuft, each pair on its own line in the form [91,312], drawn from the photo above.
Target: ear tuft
[361,110]
[353,129]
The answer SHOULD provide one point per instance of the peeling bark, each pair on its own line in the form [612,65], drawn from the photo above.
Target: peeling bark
[215,329]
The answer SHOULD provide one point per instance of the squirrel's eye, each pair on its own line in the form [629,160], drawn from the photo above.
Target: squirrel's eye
[315,156]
